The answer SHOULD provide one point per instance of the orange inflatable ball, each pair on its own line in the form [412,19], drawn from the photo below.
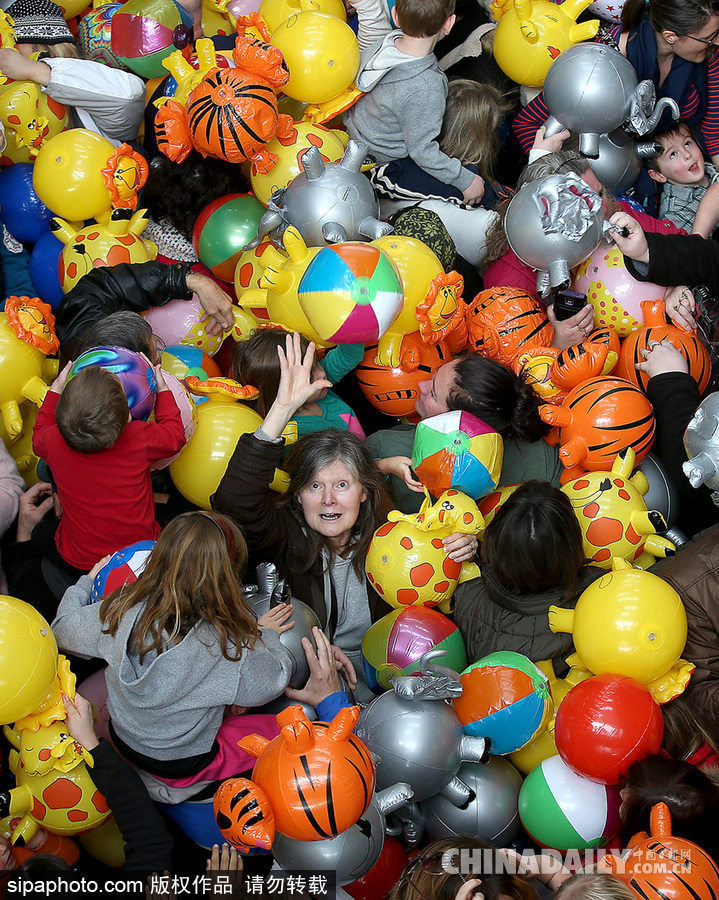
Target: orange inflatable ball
[598,420]
[503,321]
[394,390]
[318,777]
[656,329]
[666,866]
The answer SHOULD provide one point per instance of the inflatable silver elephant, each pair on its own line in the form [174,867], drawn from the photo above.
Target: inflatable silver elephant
[326,204]
[553,224]
[701,441]
[592,90]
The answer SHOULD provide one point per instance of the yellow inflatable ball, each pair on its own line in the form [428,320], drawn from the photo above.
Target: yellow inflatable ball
[200,465]
[275,12]
[67,175]
[321,53]
[289,150]
[28,659]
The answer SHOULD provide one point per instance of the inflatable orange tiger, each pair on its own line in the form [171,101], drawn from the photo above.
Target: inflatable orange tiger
[232,113]
[393,390]
[656,328]
[665,866]
[318,777]
[502,321]
[598,420]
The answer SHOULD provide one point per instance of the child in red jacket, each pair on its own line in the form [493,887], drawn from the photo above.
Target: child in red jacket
[100,461]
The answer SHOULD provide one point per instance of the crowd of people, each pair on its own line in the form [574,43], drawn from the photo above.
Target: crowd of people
[187,666]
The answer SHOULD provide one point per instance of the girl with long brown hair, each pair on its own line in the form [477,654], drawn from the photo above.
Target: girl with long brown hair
[185,655]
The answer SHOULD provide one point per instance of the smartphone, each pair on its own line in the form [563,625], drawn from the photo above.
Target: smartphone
[568,303]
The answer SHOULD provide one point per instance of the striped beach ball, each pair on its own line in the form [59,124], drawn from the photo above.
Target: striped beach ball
[566,811]
[505,698]
[395,644]
[350,293]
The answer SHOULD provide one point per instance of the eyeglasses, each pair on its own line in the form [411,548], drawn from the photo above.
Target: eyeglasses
[710,42]
[443,862]
[160,347]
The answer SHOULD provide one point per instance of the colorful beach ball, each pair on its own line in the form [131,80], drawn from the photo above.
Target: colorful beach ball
[506,698]
[145,32]
[457,450]
[350,293]
[222,230]
[566,811]
[122,568]
[395,644]
[134,371]
[182,360]
[615,295]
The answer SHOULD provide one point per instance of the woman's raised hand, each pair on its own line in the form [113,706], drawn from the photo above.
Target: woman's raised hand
[296,385]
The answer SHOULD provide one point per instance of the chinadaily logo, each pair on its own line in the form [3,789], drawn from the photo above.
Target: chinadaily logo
[546,863]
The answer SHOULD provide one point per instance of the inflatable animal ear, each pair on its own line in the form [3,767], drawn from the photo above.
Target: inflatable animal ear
[664,865]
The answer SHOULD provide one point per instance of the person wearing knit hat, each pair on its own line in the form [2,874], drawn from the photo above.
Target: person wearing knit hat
[39,22]
[99,98]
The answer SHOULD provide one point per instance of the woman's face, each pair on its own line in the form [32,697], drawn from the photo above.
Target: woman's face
[433,394]
[692,49]
[331,503]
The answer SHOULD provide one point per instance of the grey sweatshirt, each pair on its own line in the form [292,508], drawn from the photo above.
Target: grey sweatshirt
[171,705]
[401,115]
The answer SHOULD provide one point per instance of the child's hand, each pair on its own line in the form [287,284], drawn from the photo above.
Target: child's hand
[474,193]
[58,384]
[160,378]
[661,357]
[226,860]
[679,305]
[550,144]
[98,565]
[461,547]
[276,618]
[401,466]
[634,245]
[80,721]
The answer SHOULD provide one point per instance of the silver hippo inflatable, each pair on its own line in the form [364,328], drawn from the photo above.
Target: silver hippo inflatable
[327,204]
